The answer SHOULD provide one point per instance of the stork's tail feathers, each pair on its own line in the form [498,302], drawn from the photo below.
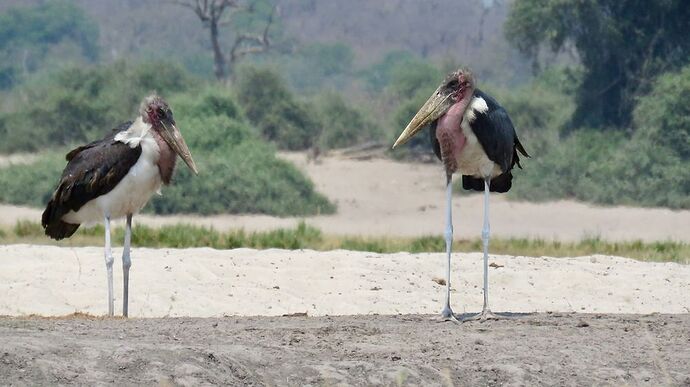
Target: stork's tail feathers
[54,226]
[500,183]
[519,148]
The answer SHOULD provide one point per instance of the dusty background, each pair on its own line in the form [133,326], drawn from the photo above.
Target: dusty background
[542,349]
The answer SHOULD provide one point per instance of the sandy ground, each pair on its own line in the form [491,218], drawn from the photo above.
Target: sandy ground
[381,197]
[596,330]
[542,349]
[54,281]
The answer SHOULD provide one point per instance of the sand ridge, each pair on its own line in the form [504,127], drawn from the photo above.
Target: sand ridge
[203,282]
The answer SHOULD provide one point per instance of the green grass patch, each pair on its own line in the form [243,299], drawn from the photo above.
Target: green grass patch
[304,236]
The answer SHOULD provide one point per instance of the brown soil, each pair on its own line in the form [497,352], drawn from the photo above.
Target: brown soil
[539,349]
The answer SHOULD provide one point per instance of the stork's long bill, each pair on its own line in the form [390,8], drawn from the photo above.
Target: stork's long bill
[432,109]
[174,138]
[454,89]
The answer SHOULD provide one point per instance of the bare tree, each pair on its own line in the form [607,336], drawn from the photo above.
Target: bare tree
[215,14]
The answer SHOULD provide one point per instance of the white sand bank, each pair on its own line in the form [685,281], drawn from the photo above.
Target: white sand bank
[49,280]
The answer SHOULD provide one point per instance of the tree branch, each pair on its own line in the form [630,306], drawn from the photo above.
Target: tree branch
[261,41]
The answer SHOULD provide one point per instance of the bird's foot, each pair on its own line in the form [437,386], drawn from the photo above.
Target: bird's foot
[485,315]
[448,315]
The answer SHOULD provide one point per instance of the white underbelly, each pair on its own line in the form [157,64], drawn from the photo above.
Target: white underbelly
[473,160]
[128,197]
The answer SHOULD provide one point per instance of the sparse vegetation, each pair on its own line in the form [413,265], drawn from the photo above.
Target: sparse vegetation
[304,236]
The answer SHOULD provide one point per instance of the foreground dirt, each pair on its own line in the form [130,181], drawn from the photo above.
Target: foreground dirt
[544,349]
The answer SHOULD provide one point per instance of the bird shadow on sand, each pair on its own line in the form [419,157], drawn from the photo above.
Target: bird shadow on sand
[467,317]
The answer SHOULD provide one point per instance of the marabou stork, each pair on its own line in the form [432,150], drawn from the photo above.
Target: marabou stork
[115,177]
[473,135]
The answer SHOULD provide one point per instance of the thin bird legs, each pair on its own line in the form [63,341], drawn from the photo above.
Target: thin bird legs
[447,312]
[486,313]
[109,266]
[126,264]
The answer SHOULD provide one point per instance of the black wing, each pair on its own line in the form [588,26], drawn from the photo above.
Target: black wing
[496,134]
[92,170]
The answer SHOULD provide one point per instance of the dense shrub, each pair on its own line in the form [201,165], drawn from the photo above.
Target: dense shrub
[274,110]
[648,168]
[76,105]
[246,178]
[663,116]
[343,124]
[27,35]
[32,184]
[568,169]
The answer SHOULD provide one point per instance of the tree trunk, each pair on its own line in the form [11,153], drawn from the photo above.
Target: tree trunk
[218,58]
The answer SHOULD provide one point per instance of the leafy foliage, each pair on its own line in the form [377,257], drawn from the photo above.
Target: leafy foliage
[663,116]
[75,105]
[27,35]
[622,45]
[648,169]
[343,125]
[31,184]
[280,117]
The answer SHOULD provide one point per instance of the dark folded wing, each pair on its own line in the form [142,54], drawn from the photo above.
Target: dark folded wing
[92,170]
[496,134]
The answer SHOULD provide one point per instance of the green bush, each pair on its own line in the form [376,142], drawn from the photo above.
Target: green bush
[245,178]
[27,35]
[32,184]
[607,168]
[663,116]
[343,124]
[270,106]
[76,105]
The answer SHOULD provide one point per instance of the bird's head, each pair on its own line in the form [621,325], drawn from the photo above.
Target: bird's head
[156,112]
[456,88]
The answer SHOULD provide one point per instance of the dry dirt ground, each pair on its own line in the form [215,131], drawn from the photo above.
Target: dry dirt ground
[539,349]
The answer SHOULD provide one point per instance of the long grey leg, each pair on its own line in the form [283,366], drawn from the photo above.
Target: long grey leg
[109,266]
[126,264]
[486,311]
[447,312]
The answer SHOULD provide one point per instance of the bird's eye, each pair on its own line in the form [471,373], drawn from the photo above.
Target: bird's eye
[453,84]
[160,112]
